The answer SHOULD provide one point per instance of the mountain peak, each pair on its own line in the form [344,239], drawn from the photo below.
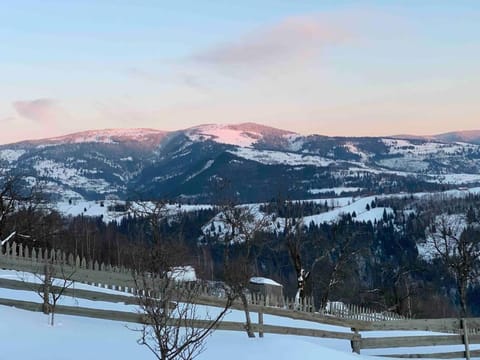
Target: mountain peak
[262,129]
[244,134]
[472,136]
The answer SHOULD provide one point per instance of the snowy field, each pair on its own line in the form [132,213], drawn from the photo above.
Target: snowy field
[342,205]
[104,208]
[27,335]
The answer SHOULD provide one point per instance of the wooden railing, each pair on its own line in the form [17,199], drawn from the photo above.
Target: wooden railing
[458,332]
[131,317]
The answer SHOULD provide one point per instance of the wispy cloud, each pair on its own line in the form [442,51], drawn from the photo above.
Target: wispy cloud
[293,39]
[42,111]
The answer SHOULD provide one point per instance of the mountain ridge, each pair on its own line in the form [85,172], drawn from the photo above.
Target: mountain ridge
[259,162]
[138,134]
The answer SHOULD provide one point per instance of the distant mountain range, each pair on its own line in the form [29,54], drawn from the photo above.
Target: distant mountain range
[258,163]
[468,136]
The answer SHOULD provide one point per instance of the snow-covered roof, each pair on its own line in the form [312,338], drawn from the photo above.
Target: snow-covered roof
[264,281]
[183,273]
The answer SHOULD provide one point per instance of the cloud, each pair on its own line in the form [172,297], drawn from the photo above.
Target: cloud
[43,111]
[299,38]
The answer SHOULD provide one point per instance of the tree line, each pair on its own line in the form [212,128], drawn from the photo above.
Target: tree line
[374,264]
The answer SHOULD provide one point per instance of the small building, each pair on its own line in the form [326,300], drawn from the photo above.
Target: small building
[183,274]
[267,287]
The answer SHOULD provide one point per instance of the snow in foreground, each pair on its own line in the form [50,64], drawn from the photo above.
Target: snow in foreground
[27,335]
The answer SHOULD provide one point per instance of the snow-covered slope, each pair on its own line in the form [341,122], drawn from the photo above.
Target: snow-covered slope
[115,210]
[108,136]
[359,208]
[242,135]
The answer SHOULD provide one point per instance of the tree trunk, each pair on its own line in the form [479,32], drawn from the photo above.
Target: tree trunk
[324,299]
[328,289]
[462,290]
[248,325]
[46,308]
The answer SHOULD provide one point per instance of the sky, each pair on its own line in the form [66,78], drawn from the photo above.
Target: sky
[328,67]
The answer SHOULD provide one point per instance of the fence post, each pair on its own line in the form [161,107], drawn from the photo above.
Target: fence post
[465,338]
[260,322]
[356,341]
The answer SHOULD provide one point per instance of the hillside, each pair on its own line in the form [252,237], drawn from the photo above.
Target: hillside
[258,162]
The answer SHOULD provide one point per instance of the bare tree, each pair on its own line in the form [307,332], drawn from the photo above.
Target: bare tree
[240,226]
[54,280]
[9,197]
[153,213]
[22,208]
[293,232]
[175,327]
[334,253]
[457,245]
[343,250]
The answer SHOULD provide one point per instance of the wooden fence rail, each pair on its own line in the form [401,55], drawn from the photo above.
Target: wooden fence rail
[71,291]
[459,332]
[197,323]
[448,325]
[440,355]
[410,341]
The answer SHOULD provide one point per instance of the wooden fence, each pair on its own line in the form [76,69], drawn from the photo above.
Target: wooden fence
[21,258]
[457,331]
[197,323]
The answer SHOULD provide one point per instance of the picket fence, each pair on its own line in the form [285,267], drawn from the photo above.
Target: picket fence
[22,258]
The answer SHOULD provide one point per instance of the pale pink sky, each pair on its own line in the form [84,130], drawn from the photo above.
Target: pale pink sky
[354,68]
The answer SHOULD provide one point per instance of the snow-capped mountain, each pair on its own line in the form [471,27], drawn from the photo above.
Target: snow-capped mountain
[258,162]
[243,135]
[106,136]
